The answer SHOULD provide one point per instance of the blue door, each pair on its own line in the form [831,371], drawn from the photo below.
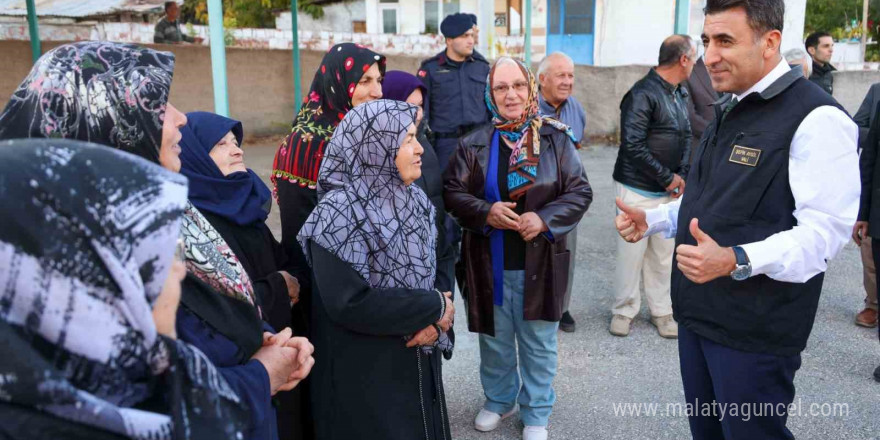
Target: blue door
[570,28]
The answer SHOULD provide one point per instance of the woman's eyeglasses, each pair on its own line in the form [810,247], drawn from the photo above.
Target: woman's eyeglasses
[502,89]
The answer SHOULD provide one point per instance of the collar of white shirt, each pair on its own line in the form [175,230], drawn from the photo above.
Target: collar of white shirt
[778,72]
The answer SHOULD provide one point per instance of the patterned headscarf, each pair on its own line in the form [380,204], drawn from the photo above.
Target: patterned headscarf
[299,157]
[108,93]
[368,217]
[85,246]
[115,94]
[210,258]
[523,131]
[380,226]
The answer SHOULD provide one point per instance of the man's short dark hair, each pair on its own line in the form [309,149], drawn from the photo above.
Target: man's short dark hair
[673,48]
[764,15]
[169,4]
[813,39]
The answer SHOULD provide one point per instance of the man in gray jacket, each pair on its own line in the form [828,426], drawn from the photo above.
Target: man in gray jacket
[168,29]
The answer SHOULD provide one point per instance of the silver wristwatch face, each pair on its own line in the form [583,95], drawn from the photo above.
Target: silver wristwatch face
[741,272]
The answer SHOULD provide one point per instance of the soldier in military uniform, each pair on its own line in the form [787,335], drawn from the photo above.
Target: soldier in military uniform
[456,82]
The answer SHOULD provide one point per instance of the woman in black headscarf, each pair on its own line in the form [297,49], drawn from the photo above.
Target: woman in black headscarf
[117,95]
[236,202]
[86,246]
[371,243]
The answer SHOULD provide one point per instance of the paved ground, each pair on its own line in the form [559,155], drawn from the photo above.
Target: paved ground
[598,371]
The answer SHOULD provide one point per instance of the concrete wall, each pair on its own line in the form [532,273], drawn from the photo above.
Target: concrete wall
[261,89]
[851,87]
[623,28]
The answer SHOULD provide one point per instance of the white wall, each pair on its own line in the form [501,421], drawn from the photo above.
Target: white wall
[793,28]
[630,31]
[338,17]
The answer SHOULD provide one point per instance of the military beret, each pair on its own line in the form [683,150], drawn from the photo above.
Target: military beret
[455,25]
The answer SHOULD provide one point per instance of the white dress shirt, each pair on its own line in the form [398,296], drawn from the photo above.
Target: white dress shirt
[823,166]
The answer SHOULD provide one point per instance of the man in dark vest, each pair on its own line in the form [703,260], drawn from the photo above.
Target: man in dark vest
[772,195]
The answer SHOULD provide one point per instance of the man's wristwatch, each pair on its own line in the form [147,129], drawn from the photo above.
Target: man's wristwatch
[743,265]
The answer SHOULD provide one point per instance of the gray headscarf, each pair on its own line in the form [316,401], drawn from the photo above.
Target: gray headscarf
[367,217]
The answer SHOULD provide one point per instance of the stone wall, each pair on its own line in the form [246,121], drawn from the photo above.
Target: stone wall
[261,84]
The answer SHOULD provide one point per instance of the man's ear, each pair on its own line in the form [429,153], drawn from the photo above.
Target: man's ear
[811,51]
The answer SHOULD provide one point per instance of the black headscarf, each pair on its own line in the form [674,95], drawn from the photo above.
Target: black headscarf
[108,93]
[85,245]
[116,94]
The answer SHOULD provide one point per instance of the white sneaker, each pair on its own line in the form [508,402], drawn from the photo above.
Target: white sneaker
[487,420]
[535,433]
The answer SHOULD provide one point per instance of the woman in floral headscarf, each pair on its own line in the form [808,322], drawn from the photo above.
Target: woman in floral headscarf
[349,75]
[515,201]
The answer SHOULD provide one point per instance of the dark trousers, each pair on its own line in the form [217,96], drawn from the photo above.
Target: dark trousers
[875,249]
[712,372]
[445,149]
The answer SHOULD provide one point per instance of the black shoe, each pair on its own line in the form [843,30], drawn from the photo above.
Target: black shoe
[567,323]
[877,374]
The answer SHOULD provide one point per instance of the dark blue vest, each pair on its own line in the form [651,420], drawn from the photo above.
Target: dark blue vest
[739,189]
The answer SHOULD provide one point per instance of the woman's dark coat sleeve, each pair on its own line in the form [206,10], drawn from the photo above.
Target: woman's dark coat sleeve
[467,209]
[352,303]
[250,381]
[274,300]
[563,214]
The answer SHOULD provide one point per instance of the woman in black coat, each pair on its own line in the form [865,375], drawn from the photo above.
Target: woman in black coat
[236,203]
[378,323]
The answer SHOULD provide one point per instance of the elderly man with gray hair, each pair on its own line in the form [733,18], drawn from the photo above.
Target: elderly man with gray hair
[798,57]
[652,165]
[556,80]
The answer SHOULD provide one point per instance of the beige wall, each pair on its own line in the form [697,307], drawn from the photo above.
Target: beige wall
[261,89]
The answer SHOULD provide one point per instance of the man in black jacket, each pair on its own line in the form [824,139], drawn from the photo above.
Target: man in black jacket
[820,46]
[867,228]
[868,316]
[655,143]
[702,96]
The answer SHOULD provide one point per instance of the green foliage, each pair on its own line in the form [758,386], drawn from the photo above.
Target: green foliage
[246,13]
[843,20]
[828,15]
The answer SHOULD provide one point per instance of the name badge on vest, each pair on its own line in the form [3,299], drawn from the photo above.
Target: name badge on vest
[745,156]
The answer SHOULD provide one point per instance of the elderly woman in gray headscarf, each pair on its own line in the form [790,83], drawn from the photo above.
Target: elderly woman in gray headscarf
[378,322]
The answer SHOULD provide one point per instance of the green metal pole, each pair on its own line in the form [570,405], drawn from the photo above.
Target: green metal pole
[218,57]
[528,42]
[297,88]
[682,16]
[34,31]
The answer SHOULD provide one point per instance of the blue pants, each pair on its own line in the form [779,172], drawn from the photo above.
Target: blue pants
[712,372]
[537,359]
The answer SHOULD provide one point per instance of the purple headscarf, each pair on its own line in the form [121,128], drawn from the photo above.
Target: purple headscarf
[398,85]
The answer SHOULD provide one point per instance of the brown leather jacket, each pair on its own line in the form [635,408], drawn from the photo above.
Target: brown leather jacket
[560,196]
